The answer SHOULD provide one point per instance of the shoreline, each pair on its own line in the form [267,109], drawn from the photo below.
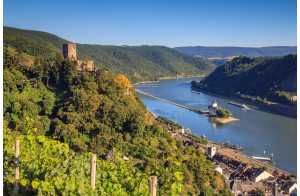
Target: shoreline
[282,110]
[230,153]
[164,78]
[202,112]
[167,78]
[224,120]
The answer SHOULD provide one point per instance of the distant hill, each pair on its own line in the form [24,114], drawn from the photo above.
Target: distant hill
[137,63]
[255,76]
[211,53]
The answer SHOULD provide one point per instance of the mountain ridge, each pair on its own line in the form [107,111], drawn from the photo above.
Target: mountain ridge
[137,63]
[226,51]
[220,55]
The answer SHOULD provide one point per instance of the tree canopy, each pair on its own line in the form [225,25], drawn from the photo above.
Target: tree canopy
[87,112]
[260,76]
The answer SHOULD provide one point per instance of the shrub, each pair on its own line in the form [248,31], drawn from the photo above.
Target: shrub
[223,113]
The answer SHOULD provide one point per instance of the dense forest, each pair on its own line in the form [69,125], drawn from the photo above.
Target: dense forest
[138,63]
[274,78]
[61,116]
[210,52]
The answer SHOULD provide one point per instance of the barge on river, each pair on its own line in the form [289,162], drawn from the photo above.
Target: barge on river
[239,105]
[197,92]
[228,145]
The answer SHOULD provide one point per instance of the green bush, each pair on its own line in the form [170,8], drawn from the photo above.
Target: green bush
[223,113]
[280,97]
[265,168]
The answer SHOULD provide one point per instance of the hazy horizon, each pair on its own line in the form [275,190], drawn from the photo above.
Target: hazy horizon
[159,45]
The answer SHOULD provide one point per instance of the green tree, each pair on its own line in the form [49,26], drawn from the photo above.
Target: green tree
[223,113]
[48,103]
[265,168]
[207,191]
[57,68]
[69,72]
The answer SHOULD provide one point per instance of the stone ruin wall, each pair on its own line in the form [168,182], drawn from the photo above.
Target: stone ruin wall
[85,65]
[69,51]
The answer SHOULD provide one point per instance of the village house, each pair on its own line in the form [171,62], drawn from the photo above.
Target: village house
[246,187]
[181,130]
[259,174]
[219,169]
[290,188]
[243,169]
[211,151]
[176,136]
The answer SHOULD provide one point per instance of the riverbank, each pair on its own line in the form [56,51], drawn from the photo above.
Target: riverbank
[235,155]
[165,78]
[271,106]
[231,154]
[202,112]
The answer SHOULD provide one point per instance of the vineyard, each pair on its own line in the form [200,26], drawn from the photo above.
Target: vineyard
[47,167]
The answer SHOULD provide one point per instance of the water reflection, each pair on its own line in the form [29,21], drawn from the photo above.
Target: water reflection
[215,124]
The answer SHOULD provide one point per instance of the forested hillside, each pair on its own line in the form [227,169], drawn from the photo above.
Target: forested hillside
[270,77]
[137,63]
[56,111]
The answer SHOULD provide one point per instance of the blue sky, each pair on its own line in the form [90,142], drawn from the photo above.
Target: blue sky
[253,23]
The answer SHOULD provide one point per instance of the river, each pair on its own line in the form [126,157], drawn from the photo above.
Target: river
[258,130]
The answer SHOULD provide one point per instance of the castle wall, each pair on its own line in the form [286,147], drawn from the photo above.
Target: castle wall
[69,51]
[90,66]
[85,65]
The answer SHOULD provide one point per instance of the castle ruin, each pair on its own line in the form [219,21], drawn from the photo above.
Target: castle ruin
[69,51]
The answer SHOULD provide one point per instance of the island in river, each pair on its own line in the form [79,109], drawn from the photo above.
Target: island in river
[213,117]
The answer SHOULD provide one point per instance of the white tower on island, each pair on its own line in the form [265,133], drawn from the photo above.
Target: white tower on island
[213,108]
[215,104]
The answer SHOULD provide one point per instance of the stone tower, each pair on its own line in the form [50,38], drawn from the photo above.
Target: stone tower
[69,51]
